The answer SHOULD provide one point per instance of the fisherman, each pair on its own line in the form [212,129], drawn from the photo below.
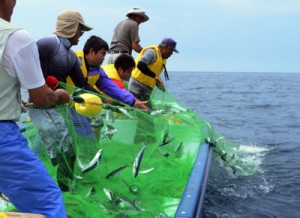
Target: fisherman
[126,35]
[23,177]
[58,60]
[90,60]
[120,71]
[150,64]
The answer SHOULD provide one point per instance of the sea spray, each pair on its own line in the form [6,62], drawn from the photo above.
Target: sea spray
[242,159]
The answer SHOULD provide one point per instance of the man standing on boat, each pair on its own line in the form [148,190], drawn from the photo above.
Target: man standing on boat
[150,63]
[126,35]
[23,177]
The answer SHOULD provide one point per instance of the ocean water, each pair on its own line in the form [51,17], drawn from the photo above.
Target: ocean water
[260,114]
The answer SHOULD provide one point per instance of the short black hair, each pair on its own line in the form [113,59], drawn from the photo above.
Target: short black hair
[125,61]
[96,43]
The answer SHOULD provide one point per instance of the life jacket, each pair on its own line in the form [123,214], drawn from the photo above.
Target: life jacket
[91,76]
[113,74]
[156,67]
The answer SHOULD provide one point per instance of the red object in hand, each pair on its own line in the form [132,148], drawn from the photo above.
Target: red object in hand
[52,82]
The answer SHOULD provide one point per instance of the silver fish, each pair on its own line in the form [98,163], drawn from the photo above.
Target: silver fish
[111,197]
[166,139]
[221,137]
[235,168]
[178,150]
[165,154]
[78,177]
[208,140]
[108,193]
[161,215]
[125,203]
[116,171]
[94,162]
[175,108]
[90,192]
[179,146]
[216,141]
[153,113]
[132,189]
[148,170]
[109,131]
[137,162]
[170,106]
[105,209]
[110,116]
[224,157]
[125,112]
[120,201]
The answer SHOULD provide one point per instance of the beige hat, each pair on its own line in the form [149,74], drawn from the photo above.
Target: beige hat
[138,11]
[67,23]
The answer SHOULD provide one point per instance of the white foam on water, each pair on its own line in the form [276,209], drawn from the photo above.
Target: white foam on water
[252,149]
[247,159]
[266,187]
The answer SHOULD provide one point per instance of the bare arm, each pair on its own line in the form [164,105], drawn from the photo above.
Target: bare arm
[137,47]
[45,97]
[160,83]
[140,104]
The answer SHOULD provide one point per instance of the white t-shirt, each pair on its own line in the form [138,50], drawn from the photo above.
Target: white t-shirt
[21,59]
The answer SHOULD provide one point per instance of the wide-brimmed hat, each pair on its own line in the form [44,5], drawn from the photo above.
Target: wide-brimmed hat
[138,11]
[67,23]
[171,43]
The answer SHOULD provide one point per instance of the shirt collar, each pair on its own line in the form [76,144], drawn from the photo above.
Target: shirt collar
[65,41]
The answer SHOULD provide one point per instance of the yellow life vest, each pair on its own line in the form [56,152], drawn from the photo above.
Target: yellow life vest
[91,78]
[156,67]
[111,72]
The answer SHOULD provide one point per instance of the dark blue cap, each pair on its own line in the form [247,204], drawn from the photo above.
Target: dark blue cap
[171,43]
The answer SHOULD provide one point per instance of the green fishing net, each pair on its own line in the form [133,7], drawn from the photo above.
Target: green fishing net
[134,163]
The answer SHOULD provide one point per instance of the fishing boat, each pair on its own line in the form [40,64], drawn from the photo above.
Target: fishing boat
[145,164]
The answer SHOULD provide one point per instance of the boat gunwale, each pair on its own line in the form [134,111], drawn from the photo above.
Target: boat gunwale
[192,198]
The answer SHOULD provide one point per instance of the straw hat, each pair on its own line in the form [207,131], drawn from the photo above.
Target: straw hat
[138,11]
[67,23]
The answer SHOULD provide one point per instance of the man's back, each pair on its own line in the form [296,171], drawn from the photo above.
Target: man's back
[125,33]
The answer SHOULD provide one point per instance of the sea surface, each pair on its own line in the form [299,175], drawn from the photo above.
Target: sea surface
[260,114]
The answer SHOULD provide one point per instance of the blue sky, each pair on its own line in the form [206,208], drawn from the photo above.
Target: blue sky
[211,35]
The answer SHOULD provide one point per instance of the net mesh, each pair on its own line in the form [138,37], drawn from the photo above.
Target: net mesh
[123,162]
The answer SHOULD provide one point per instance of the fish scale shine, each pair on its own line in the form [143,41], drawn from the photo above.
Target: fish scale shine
[137,162]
